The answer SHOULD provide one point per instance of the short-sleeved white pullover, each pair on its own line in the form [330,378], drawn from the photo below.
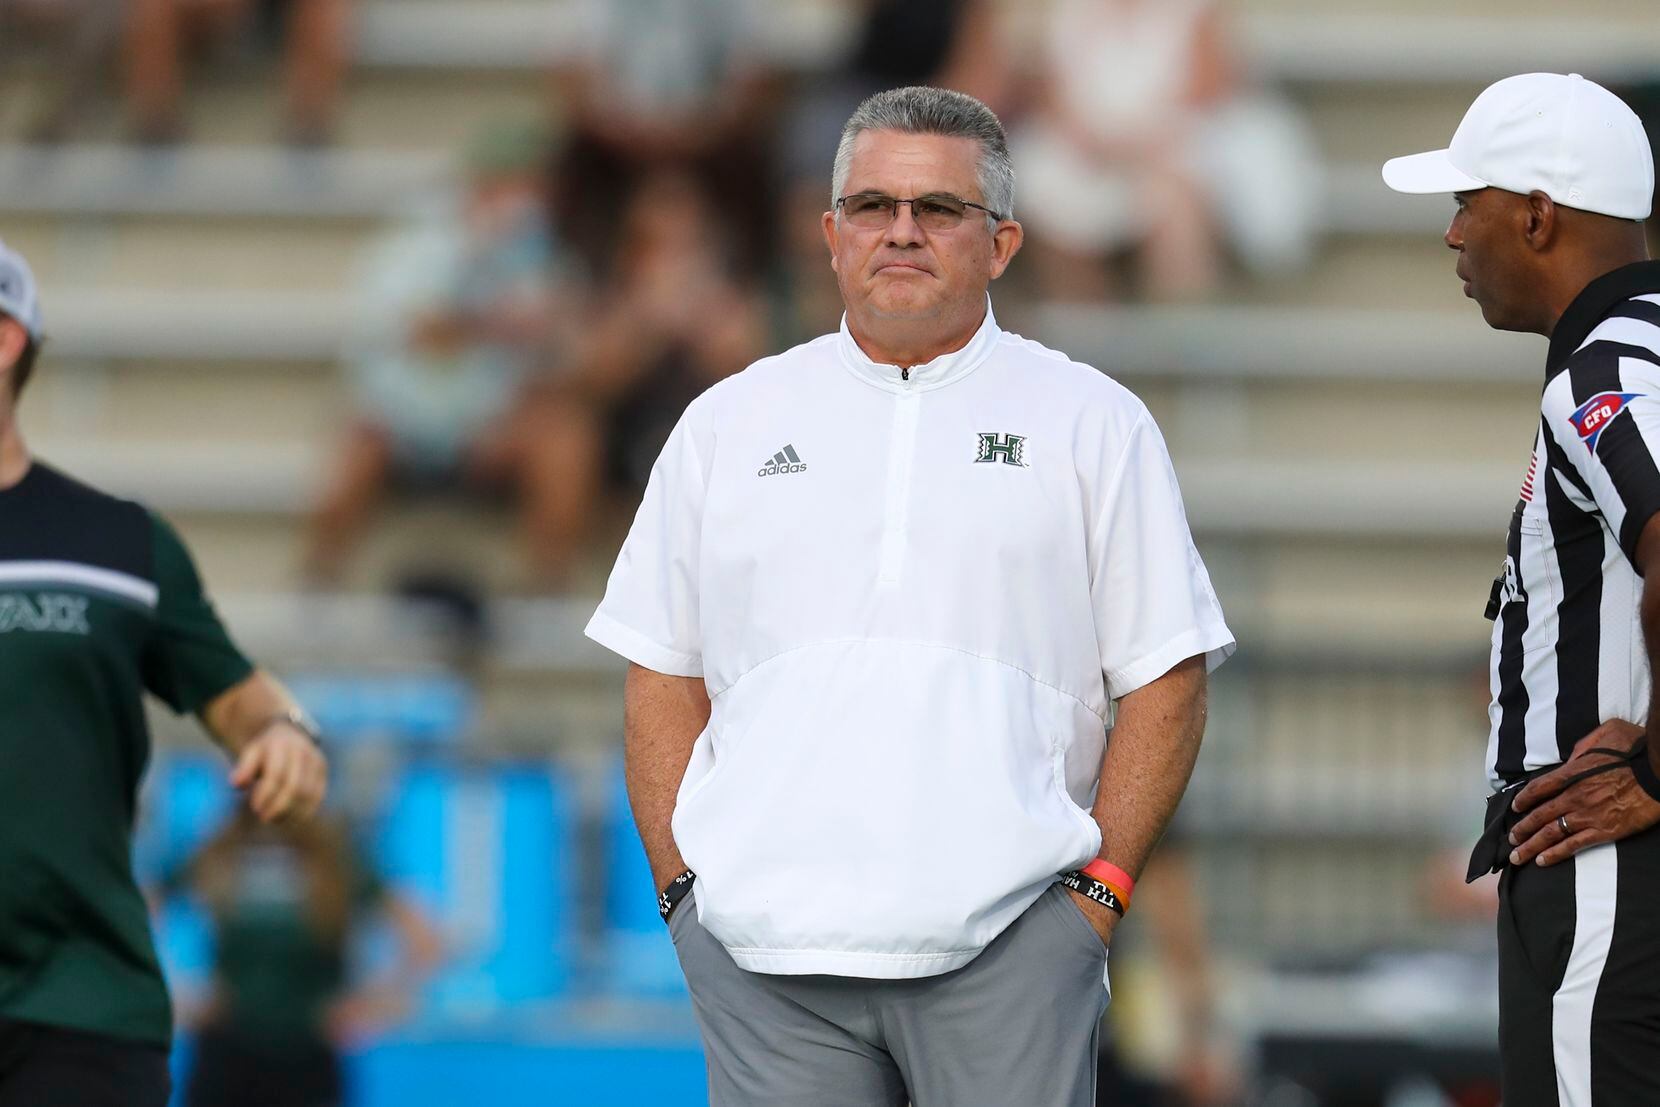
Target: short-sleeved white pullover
[913,597]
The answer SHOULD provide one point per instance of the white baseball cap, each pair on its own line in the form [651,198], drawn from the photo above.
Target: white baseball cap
[19,297]
[1564,136]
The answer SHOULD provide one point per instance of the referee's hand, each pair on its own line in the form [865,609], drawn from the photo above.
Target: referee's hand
[283,772]
[1602,808]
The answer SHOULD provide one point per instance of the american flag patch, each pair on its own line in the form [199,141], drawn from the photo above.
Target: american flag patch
[1527,481]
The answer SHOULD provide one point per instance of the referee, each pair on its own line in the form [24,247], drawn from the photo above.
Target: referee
[99,601]
[1552,177]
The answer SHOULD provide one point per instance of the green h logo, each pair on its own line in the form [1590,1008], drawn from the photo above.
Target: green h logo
[1010,449]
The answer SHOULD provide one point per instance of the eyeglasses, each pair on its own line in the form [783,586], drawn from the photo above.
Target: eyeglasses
[937,211]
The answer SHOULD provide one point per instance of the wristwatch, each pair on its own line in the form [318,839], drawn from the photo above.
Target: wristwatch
[300,721]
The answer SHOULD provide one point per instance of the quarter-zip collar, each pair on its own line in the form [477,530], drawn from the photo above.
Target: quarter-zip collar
[1593,304]
[943,370]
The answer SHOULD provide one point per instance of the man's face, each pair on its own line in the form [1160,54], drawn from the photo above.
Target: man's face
[903,271]
[1488,230]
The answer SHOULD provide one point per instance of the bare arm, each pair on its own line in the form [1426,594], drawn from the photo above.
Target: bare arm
[1149,758]
[1212,80]
[1176,919]
[662,717]
[978,63]
[1648,563]
[367,1010]
[421,946]
[1169,894]
[285,772]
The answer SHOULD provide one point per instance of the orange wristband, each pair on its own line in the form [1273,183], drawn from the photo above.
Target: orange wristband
[1112,876]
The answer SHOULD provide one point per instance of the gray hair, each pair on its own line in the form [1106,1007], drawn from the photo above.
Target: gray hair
[920,110]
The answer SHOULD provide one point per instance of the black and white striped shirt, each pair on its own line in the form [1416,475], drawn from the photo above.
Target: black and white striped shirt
[1568,651]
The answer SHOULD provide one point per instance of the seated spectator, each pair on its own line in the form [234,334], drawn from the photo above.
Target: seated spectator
[664,85]
[1108,162]
[1643,94]
[1164,980]
[458,372]
[84,34]
[945,43]
[162,33]
[672,320]
[285,901]
[1145,145]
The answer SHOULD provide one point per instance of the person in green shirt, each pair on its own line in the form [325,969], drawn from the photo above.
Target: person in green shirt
[99,603]
[285,902]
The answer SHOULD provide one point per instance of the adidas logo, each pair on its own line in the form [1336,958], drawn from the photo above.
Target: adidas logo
[784,461]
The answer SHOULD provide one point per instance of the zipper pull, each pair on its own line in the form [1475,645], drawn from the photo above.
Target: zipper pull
[904,373]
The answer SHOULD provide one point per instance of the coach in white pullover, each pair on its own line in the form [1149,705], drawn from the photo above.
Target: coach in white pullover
[881,600]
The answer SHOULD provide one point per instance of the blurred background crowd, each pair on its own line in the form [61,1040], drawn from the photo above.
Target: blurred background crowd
[390,304]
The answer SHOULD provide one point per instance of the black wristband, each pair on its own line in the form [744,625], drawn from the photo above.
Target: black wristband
[1087,885]
[1644,772]
[669,898]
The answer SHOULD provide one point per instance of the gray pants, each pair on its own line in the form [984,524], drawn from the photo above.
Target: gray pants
[1015,1026]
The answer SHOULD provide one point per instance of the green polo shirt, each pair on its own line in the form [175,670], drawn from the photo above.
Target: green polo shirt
[99,601]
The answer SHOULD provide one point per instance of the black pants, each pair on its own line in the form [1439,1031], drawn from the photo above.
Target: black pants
[237,1068]
[49,1065]
[1579,978]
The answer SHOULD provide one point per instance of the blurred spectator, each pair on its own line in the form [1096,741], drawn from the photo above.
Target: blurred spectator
[673,320]
[1144,143]
[1203,1068]
[806,299]
[1644,97]
[664,85]
[162,34]
[1107,164]
[457,367]
[85,34]
[1447,895]
[945,43]
[1443,889]
[286,900]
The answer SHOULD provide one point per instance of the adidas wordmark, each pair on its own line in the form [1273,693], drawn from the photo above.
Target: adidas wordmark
[784,461]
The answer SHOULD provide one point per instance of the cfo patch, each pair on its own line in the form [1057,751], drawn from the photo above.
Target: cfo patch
[1595,414]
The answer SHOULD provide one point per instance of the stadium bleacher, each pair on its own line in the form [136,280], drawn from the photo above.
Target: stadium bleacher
[1272,400]
[1350,439]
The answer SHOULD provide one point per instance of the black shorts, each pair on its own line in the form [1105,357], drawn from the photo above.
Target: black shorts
[240,1068]
[1579,978]
[76,1068]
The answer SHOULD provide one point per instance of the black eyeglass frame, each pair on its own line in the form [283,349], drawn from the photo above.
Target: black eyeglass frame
[842,200]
